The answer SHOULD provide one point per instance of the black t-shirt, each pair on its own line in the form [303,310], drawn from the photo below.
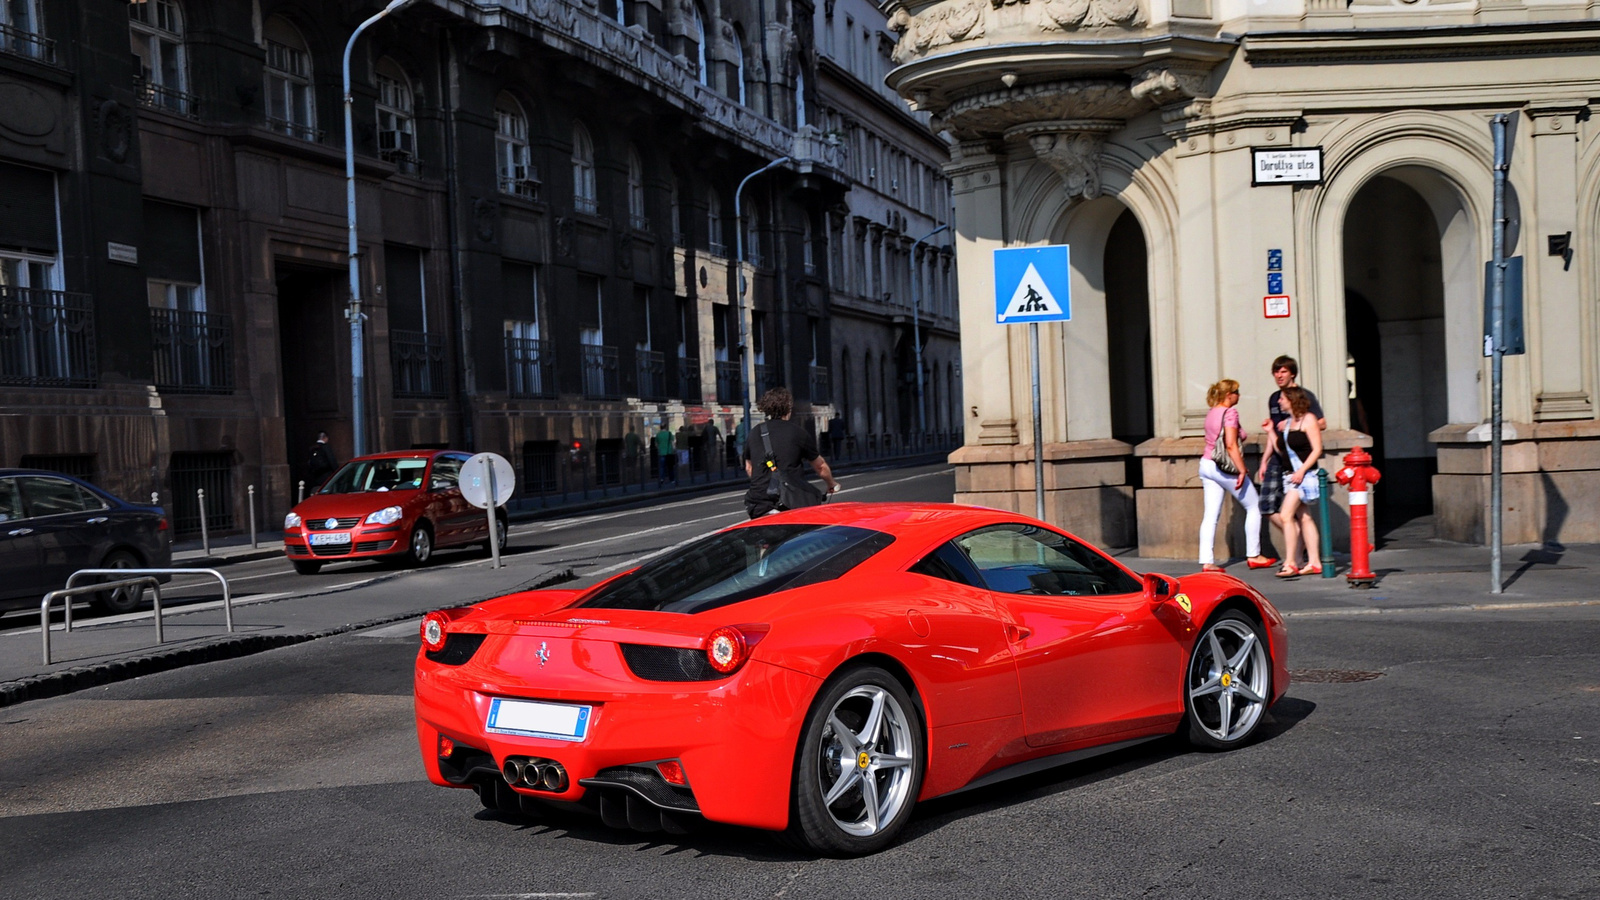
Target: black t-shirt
[1279,416]
[792,448]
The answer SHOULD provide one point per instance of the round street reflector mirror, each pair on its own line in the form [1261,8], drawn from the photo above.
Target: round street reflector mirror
[475,480]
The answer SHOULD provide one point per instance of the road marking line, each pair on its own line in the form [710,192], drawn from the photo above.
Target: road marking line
[1459,607]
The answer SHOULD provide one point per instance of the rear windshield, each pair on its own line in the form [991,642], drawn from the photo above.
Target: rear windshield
[740,564]
[401,474]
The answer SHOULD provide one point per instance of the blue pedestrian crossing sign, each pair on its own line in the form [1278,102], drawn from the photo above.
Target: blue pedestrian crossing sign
[1032,284]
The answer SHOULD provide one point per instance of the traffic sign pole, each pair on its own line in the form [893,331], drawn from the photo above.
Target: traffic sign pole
[494,526]
[1038,423]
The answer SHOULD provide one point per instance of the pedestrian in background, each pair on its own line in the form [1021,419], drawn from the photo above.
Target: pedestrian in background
[1224,443]
[789,446]
[1270,473]
[322,462]
[632,447]
[666,457]
[1298,441]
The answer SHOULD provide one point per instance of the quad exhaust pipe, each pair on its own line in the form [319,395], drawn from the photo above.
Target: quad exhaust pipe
[535,773]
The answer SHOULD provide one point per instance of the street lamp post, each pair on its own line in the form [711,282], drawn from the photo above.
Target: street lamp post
[746,373]
[358,366]
[916,331]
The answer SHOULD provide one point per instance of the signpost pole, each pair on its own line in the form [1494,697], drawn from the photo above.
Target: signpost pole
[1497,343]
[494,526]
[1038,422]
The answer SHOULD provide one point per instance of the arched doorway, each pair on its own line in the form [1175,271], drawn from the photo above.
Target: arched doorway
[1127,286]
[1395,285]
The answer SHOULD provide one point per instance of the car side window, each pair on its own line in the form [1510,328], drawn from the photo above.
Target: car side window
[1025,559]
[446,473]
[948,564]
[10,500]
[50,496]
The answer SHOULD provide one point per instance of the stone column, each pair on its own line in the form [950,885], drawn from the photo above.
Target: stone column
[1559,354]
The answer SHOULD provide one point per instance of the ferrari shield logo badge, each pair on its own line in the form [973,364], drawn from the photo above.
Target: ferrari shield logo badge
[1227,679]
[1183,602]
[543,654]
[863,759]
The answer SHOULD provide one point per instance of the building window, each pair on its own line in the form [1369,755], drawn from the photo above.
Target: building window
[291,108]
[753,251]
[703,72]
[397,130]
[808,253]
[517,175]
[737,88]
[714,235]
[799,98]
[584,199]
[156,30]
[677,215]
[636,191]
[22,30]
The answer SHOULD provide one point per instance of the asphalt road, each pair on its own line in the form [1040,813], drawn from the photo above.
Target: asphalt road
[1465,766]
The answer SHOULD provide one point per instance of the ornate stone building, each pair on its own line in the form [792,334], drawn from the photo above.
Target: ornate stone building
[1132,130]
[546,200]
[887,290]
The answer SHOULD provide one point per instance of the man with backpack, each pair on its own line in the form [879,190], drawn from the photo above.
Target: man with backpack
[774,458]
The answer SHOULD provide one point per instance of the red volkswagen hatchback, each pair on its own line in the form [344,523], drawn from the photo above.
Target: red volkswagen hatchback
[400,505]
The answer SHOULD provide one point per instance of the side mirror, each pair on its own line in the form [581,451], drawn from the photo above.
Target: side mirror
[1156,587]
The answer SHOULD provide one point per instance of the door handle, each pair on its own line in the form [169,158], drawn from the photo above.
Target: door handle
[98,519]
[18,532]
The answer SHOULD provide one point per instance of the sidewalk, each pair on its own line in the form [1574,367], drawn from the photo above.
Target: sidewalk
[1418,575]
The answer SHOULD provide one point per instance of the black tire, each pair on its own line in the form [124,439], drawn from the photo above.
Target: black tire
[124,599]
[419,547]
[1224,704]
[307,566]
[846,827]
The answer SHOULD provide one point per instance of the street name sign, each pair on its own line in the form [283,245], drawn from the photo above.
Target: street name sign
[1285,165]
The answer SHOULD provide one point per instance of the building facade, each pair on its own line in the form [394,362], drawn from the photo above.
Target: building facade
[548,245]
[1132,131]
[891,271]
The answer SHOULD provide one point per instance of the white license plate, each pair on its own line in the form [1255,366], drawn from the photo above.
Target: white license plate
[560,721]
[332,537]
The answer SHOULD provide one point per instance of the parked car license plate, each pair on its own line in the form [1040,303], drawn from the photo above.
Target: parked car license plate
[561,721]
[332,537]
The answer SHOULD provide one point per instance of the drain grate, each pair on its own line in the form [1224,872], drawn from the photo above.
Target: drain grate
[1331,676]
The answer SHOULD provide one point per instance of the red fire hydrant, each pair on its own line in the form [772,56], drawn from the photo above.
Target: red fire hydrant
[1357,475]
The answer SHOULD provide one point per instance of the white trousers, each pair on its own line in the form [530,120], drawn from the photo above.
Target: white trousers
[1215,484]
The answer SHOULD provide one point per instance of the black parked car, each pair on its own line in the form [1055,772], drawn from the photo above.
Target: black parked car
[52,525]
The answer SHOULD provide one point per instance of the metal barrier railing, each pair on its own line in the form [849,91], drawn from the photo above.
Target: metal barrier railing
[139,577]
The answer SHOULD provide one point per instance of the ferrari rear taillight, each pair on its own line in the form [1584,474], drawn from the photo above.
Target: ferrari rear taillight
[434,628]
[726,649]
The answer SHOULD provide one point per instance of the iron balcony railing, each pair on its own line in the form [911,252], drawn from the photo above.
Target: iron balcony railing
[717,248]
[586,205]
[821,384]
[521,181]
[766,378]
[26,43]
[652,375]
[159,96]
[530,368]
[294,129]
[730,386]
[639,221]
[46,338]
[193,350]
[600,380]
[418,363]
[689,389]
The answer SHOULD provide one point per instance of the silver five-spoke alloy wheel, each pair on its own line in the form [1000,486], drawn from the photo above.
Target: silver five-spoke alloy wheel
[865,768]
[421,545]
[1229,681]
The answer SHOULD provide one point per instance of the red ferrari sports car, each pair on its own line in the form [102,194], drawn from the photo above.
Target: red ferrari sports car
[822,670]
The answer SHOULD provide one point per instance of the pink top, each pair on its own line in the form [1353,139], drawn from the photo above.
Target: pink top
[1218,418]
